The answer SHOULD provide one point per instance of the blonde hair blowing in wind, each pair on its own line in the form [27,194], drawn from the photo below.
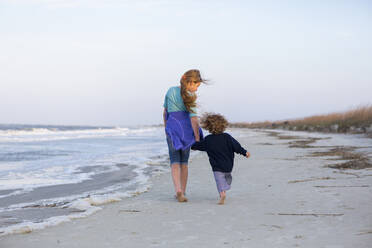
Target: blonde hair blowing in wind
[189,99]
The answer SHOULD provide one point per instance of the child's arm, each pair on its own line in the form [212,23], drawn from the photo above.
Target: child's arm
[238,148]
[199,145]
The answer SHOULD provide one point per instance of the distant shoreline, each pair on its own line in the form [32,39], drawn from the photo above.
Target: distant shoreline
[354,121]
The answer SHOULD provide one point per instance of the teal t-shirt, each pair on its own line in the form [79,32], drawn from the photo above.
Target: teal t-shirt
[173,101]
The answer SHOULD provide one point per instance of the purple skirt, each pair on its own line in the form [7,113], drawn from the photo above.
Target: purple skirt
[223,180]
[179,129]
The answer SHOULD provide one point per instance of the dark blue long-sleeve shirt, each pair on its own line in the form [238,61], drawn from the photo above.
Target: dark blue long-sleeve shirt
[220,149]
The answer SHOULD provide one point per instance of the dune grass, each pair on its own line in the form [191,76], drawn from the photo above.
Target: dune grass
[358,119]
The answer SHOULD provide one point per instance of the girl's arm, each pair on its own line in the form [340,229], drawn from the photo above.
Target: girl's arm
[165,117]
[195,127]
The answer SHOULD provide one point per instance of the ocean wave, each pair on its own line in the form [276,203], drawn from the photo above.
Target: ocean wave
[86,205]
[43,134]
[51,176]
[39,178]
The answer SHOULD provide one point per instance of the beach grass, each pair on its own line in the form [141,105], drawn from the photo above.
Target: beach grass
[354,120]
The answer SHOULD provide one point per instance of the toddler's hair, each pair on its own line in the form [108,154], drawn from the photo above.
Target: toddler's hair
[214,123]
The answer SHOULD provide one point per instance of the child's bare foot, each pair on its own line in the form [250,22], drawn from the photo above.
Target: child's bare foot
[222,198]
[181,197]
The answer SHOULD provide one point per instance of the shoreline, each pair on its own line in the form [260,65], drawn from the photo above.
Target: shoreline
[328,130]
[49,176]
[280,197]
[357,120]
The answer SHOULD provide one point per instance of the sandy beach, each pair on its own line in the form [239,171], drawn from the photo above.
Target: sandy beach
[281,197]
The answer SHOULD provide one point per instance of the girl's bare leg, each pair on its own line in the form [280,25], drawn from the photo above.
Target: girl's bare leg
[176,175]
[222,198]
[184,175]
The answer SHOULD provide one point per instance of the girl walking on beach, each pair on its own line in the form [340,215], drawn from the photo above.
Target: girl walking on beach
[181,127]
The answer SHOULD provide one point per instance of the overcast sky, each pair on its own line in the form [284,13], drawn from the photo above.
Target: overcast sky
[111,62]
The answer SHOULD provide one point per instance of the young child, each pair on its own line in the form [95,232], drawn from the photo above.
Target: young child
[220,148]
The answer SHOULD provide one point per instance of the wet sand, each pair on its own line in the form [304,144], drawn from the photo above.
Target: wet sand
[283,196]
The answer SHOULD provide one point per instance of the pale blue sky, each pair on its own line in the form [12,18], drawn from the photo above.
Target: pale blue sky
[110,62]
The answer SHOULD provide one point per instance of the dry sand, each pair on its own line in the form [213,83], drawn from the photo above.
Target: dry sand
[280,197]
